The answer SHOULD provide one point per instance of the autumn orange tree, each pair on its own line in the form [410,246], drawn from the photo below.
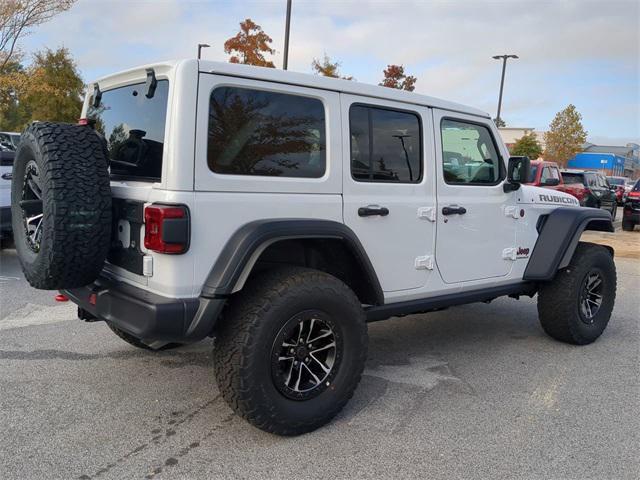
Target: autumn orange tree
[394,77]
[327,68]
[565,137]
[249,45]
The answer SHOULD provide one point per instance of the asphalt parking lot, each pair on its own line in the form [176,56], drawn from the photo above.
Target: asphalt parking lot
[472,392]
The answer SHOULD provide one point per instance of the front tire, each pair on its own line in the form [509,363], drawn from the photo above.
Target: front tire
[291,350]
[576,306]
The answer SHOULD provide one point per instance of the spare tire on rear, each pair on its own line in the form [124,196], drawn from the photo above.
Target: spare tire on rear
[61,205]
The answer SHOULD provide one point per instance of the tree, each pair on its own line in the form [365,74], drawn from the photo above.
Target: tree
[527,146]
[249,45]
[17,17]
[50,89]
[565,137]
[499,122]
[394,77]
[327,68]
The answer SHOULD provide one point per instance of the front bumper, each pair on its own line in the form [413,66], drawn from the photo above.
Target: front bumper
[145,315]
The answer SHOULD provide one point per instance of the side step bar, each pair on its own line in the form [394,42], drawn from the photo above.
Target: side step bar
[431,304]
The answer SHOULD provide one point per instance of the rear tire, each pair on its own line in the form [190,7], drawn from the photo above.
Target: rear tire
[576,306]
[61,205]
[280,313]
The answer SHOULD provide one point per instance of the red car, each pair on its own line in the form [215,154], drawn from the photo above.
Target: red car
[618,183]
[547,174]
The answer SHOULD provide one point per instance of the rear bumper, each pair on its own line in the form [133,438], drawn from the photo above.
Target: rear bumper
[631,213]
[5,219]
[145,315]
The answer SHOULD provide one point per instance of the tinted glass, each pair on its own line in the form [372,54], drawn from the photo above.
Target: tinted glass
[616,181]
[385,145]
[572,178]
[468,153]
[133,126]
[253,132]
[533,171]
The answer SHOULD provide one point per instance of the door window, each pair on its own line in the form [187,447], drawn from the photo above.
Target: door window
[469,154]
[549,173]
[256,132]
[385,145]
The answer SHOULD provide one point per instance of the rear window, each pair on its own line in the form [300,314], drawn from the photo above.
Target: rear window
[572,178]
[616,181]
[133,126]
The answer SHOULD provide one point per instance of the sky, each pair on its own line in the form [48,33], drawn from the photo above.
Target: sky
[573,51]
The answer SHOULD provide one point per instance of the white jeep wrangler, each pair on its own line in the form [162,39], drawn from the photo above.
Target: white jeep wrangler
[279,213]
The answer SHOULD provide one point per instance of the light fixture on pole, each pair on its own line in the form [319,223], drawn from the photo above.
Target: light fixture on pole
[504,66]
[200,47]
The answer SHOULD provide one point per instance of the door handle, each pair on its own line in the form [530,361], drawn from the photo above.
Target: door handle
[7,176]
[454,210]
[371,210]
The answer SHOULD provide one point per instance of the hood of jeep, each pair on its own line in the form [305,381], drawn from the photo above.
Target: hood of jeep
[529,194]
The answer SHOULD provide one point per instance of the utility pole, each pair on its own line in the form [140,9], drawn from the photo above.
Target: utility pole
[285,62]
[200,47]
[504,67]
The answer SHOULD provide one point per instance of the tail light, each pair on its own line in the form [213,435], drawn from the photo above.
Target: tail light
[633,195]
[166,228]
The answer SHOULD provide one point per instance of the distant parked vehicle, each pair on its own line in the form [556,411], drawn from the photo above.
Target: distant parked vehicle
[9,140]
[547,175]
[6,166]
[631,211]
[618,183]
[592,190]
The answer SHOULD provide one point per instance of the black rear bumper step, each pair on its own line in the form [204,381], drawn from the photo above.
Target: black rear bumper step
[146,315]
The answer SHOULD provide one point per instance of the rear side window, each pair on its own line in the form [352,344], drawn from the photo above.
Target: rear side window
[469,154]
[385,145]
[572,178]
[133,126]
[255,132]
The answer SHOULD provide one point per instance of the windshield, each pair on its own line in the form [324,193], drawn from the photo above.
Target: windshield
[133,126]
[572,177]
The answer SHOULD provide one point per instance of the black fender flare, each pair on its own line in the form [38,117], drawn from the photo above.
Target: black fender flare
[559,237]
[249,241]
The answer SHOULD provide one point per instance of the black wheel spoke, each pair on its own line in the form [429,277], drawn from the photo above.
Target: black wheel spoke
[305,358]
[591,296]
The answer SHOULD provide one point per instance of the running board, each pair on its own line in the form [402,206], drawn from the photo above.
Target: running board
[430,304]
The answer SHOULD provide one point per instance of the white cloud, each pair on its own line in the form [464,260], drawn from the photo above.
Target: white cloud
[447,44]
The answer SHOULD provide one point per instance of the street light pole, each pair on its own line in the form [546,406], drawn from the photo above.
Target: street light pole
[200,47]
[504,67]
[285,62]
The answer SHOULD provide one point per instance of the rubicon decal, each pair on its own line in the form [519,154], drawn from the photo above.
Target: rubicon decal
[557,199]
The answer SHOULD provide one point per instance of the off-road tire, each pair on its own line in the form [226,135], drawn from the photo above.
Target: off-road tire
[136,342]
[76,225]
[559,308]
[245,340]
[627,226]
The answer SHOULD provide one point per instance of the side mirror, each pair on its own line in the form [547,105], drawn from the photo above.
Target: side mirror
[552,182]
[517,173]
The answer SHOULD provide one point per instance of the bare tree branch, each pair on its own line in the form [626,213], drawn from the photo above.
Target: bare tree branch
[18,17]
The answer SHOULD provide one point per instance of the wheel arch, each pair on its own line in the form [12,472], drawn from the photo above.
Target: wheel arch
[559,236]
[322,244]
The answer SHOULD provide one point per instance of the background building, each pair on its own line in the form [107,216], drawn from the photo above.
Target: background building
[610,160]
